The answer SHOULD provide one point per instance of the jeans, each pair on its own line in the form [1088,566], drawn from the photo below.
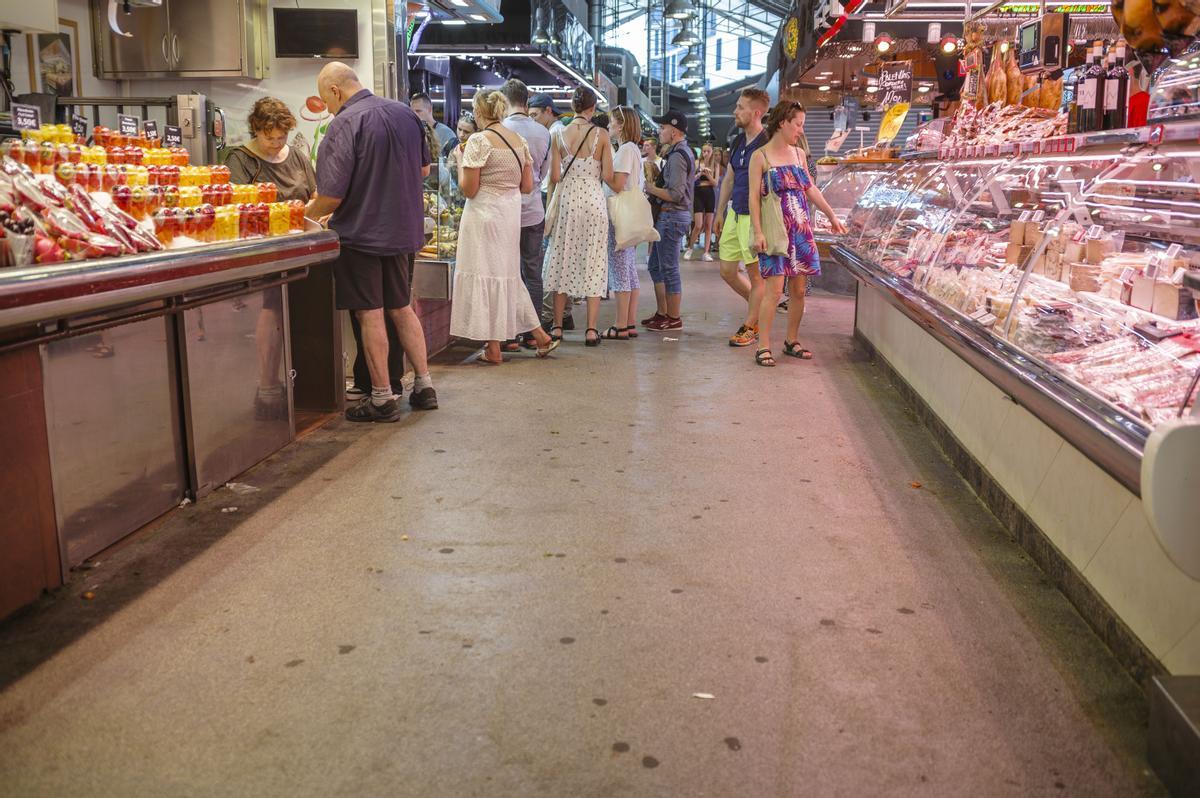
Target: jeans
[531,262]
[672,227]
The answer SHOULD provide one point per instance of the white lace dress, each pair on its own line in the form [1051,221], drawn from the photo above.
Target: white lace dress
[577,258]
[491,302]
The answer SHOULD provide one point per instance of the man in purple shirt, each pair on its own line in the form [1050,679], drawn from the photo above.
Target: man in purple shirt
[370,169]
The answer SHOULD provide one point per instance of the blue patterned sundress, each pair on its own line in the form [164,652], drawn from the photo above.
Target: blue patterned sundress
[802,260]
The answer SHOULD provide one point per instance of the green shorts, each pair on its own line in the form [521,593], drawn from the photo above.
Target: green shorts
[736,238]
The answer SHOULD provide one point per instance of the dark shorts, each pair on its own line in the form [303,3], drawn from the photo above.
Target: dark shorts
[366,282]
[704,200]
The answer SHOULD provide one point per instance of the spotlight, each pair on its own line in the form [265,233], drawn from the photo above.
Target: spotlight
[948,44]
[884,43]
[824,87]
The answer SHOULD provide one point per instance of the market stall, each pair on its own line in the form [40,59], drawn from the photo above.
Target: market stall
[1024,273]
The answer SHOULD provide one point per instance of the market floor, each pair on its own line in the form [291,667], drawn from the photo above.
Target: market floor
[647,569]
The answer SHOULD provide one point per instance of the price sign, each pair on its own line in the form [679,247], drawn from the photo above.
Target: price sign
[127,125]
[1177,277]
[26,117]
[1095,231]
[172,136]
[979,314]
[895,83]
[150,128]
[1127,275]
[987,319]
[1025,216]
[1151,271]
[79,125]
[1174,250]
[1039,215]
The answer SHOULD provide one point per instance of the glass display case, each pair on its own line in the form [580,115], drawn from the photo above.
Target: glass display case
[443,203]
[1072,266]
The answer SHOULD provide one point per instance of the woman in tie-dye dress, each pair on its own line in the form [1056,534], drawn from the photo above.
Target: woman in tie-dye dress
[779,167]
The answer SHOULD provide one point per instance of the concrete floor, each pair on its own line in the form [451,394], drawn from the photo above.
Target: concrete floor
[523,593]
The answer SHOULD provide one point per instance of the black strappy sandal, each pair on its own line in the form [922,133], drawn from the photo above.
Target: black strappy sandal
[591,341]
[614,334]
[632,330]
[763,357]
[554,337]
[793,349]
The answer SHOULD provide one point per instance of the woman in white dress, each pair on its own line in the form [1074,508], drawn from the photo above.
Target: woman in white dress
[491,302]
[577,258]
[627,175]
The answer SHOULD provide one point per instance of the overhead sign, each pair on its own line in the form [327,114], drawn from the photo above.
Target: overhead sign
[895,83]
[1059,8]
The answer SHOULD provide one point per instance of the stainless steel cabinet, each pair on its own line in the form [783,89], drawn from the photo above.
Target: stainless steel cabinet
[199,38]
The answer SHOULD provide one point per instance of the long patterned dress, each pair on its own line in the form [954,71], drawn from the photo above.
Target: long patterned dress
[577,258]
[791,183]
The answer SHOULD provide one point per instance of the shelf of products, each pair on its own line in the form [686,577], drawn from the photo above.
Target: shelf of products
[1068,270]
[443,204]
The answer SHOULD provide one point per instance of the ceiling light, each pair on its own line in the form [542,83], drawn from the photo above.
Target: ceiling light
[679,9]
[479,17]
[691,76]
[454,22]
[923,89]
[460,3]
[691,60]
[1004,47]
[823,88]
[872,89]
[884,43]
[934,32]
[686,36]
[868,34]
[949,44]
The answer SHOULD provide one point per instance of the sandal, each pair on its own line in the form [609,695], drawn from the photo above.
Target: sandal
[558,337]
[510,346]
[632,331]
[793,349]
[614,334]
[487,360]
[763,357]
[546,350]
[591,341]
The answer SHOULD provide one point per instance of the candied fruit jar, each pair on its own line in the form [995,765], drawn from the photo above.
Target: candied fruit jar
[190,196]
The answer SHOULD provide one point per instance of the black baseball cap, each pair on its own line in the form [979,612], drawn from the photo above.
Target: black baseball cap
[542,100]
[676,119]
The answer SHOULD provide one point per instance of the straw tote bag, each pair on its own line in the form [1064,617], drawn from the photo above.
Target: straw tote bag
[771,218]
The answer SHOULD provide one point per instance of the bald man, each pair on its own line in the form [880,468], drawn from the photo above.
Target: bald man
[370,169]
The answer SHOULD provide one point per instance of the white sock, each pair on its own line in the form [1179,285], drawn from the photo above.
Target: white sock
[380,396]
[422,381]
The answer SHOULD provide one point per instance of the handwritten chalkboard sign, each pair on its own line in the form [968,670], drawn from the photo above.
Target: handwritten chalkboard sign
[150,128]
[895,83]
[26,117]
[79,125]
[172,136]
[127,125]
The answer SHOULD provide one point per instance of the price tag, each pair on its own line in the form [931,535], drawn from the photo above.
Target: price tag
[172,136]
[1126,275]
[1174,250]
[1039,215]
[150,128]
[26,117]
[1024,217]
[1095,231]
[127,125]
[1151,271]
[1177,277]
[979,314]
[987,319]
[79,125]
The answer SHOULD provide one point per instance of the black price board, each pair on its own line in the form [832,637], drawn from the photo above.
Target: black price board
[26,117]
[895,83]
[79,125]
[150,128]
[172,136]
[127,125]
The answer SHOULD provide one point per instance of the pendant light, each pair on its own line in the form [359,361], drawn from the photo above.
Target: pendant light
[686,36]
[679,9]
[691,76]
[690,60]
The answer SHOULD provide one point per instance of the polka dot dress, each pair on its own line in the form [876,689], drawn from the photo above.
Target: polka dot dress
[577,257]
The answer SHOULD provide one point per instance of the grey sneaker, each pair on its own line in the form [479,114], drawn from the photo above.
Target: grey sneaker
[367,411]
[424,399]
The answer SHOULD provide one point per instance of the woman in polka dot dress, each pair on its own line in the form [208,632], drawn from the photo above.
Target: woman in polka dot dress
[577,257]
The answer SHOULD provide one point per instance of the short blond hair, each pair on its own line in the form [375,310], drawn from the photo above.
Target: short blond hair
[489,105]
[629,124]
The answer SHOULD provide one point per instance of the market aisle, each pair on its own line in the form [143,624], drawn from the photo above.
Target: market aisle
[591,542]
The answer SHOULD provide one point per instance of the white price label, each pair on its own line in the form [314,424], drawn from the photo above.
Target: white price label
[979,314]
[1127,275]
[1095,231]
[1174,250]
[1177,277]
[1024,217]
[1039,215]
[987,320]
[1151,271]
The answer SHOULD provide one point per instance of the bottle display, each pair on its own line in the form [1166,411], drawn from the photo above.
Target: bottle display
[1116,91]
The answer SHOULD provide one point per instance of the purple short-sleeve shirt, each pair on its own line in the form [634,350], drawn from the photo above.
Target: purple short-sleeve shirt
[372,157]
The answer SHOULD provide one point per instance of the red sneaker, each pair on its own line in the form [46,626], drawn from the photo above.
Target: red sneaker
[671,324]
[655,319]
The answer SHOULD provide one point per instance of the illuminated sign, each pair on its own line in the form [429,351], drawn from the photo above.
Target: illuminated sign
[1061,8]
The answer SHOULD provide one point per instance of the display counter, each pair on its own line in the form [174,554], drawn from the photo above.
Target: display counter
[133,383]
[1034,307]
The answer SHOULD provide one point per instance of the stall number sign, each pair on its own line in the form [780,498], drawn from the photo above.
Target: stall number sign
[150,128]
[26,117]
[79,125]
[127,125]
[172,136]
[895,83]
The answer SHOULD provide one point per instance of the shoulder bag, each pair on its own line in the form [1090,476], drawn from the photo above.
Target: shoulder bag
[552,205]
[632,217]
[774,228]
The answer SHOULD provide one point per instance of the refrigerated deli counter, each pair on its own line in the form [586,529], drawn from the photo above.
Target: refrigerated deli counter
[1035,307]
[129,384]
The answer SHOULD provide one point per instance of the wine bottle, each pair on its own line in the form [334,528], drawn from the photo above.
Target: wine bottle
[1116,92]
[1070,97]
[1091,92]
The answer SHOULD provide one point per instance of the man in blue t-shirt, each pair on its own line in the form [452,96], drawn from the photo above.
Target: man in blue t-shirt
[370,169]
[734,227]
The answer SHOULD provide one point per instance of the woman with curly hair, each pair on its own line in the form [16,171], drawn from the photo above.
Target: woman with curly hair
[268,158]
